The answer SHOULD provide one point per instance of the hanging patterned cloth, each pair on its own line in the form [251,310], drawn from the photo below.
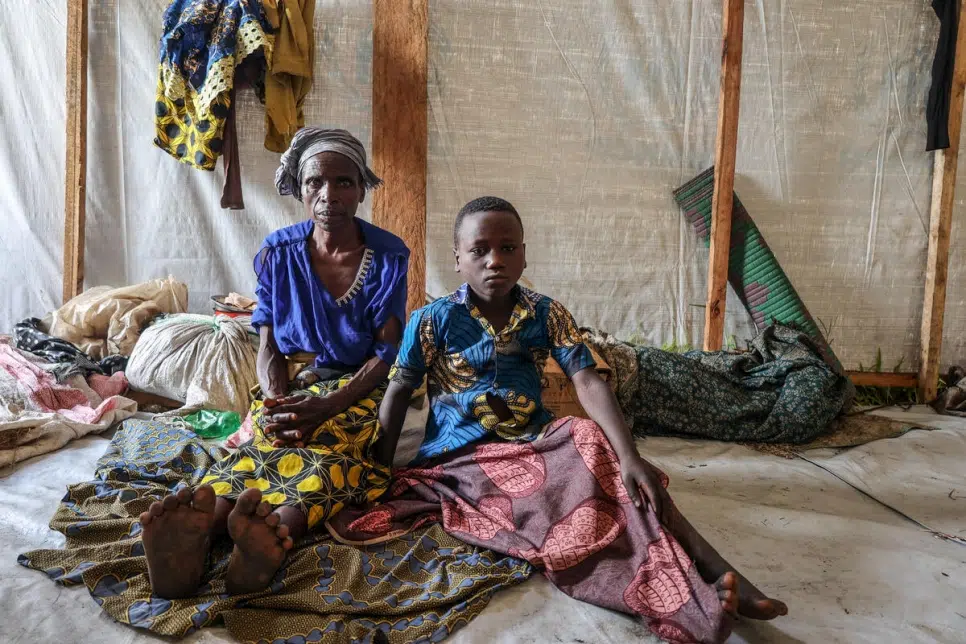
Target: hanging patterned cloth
[202,44]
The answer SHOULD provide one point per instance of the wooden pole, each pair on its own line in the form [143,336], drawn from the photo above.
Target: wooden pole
[940,222]
[399,129]
[883,379]
[75,189]
[733,15]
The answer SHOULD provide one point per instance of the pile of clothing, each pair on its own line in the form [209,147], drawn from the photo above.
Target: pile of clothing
[211,48]
[82,368]
[41,412]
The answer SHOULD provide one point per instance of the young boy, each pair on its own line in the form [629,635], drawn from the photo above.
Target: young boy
[573,496]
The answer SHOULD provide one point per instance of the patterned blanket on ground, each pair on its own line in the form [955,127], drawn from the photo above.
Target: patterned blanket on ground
[418,588]
[40,415]
[781,391]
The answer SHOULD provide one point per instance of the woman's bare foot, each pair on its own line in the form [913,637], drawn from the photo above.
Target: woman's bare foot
[727,587]
[260,544]
[177,532]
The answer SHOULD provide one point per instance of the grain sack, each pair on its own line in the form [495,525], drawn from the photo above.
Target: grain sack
[105,321]
[197,359]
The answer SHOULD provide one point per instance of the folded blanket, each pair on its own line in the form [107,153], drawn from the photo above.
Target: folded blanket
[781,391]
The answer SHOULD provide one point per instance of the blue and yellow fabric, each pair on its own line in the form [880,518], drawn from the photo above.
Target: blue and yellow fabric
[465,359]
[421,587]
[202,43]
[333,470]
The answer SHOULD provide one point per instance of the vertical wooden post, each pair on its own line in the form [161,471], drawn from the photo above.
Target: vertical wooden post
[399,129]
[75,192]
[733,17]
[940,222]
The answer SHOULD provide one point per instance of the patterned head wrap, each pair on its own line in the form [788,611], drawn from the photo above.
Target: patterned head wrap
[310,141]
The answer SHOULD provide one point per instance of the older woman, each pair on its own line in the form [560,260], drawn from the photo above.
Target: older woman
[333,286]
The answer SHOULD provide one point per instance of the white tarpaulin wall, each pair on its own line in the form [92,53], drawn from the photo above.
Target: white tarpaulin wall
[584,113]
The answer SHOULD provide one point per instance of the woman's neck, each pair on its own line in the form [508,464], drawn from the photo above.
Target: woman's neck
[343,238]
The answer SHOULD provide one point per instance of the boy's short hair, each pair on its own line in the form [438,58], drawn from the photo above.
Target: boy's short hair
[483,204]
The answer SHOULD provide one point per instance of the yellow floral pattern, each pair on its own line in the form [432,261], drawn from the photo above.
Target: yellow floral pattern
[520,405]
[453,373]
[333,470]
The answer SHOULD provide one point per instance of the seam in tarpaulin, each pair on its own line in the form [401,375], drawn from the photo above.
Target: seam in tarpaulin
[777,131]
[876,198]
[892,65]
[939,535]
[682,330]
[444,132]
[590,106]
[122,201]
[909,189]
[801,52]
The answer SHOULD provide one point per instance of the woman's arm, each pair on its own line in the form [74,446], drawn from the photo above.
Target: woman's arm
[294,414]
[372,374]
[270,365]
[601,405]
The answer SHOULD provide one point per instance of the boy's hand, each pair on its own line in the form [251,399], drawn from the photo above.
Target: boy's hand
[643,483]
[291,419]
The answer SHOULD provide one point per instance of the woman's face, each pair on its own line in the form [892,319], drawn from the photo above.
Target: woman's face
[332,190]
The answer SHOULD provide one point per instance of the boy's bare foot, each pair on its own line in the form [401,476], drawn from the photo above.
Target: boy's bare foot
[754,604]
[176,532]
[727,587]
[750,602]
[260,544]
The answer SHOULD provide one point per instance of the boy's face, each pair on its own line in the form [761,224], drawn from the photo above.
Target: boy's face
[490,253]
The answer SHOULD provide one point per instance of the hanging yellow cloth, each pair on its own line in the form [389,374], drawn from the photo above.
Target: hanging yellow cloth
[289,77]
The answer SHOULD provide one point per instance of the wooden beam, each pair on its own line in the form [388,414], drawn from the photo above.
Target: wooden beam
[733,18]
[940,223]
[75,189]
[875,379]
[399,129]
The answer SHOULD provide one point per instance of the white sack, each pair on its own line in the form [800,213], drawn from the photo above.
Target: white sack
[197,359]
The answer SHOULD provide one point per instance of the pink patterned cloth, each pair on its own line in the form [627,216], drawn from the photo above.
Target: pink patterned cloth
[107,386]
[40,415]
[44,392]
[559,503]
[244,434]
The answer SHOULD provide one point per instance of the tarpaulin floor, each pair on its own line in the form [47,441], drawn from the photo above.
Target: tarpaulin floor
[850,568]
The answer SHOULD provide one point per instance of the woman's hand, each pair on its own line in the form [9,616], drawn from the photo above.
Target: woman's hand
[291,420]
[643,483]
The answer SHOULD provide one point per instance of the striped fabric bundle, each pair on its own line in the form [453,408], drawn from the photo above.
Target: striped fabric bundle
[753,270]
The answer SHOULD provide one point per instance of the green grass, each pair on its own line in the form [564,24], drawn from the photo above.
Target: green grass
[885,396]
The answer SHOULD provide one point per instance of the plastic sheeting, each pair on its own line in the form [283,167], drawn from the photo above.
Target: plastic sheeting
[584,113]
[799,533]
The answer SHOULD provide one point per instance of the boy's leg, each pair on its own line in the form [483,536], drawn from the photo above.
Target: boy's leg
[752,603]
[262,538]
[177,532]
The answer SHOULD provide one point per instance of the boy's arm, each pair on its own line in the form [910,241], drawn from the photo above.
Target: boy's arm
[600,404]
[404,378]
[392,415]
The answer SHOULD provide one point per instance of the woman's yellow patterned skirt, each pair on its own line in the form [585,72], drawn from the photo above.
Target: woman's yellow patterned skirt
[334,470]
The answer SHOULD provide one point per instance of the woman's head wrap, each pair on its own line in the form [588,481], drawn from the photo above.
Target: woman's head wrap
[310,141]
